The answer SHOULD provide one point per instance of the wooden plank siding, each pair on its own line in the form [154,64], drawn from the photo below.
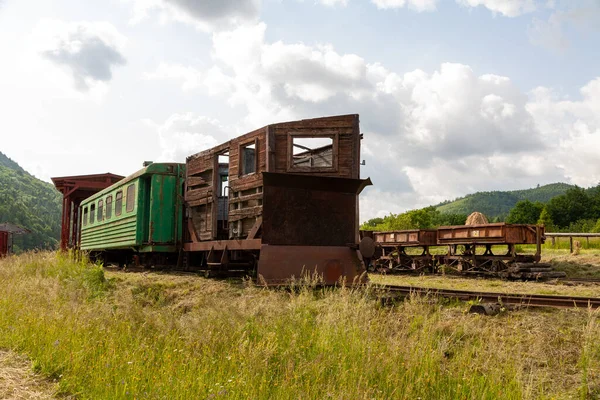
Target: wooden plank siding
[273,153]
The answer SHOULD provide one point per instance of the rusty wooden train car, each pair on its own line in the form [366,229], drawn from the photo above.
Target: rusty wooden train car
[281,200]
[486,249]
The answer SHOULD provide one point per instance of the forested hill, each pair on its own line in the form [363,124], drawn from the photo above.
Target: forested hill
[30,203]
[499,203]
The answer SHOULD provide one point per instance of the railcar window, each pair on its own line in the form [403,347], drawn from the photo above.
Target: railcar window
[92,211]
[85,216]
[118,203]
[109,207]
[312,152]
[100,209]
[130,197]
[248,158]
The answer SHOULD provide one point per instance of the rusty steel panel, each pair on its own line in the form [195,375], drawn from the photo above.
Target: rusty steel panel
[498,233]
[279,264]
[413,237]
[3,244]
[310,210]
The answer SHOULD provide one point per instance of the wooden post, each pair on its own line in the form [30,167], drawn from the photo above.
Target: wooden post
[538,243]
[571,243]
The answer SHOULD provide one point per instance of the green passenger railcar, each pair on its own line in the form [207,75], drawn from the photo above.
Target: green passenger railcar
[140,214]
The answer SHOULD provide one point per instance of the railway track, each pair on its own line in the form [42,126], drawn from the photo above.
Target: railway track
[580,280]
[474,276]
[527,300]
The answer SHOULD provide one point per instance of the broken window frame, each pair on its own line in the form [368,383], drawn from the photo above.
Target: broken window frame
[241,147]
[308,135]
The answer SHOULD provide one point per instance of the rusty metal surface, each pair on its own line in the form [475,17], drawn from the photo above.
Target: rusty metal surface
[3,244]
[7,230]
[463,242]
[412,237]
[367,247]
[497,233]
[277,264]
[310,210]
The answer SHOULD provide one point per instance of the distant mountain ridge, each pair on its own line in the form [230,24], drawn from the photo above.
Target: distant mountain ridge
[499,203]
[30,203]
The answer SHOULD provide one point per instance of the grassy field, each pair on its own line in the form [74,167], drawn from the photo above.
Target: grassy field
[112,335]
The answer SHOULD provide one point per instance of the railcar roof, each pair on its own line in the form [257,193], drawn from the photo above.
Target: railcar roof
[152,168]
[12,228]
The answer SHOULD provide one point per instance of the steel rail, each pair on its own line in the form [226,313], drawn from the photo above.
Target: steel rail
[530,300]
[579,280]
[481,276]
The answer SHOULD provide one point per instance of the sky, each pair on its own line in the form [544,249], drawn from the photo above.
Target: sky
[454,96]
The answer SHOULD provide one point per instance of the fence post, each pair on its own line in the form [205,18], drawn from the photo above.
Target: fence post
[571,243]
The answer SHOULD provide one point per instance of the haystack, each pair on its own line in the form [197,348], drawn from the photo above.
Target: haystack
[476,218]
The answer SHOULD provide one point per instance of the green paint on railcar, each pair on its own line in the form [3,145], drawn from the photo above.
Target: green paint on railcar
[142,212]
[162,222]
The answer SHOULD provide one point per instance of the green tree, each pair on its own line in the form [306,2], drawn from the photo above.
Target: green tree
[546,219]
[372,223]
[597,227]
[572,206]
[30,203]
[525,212]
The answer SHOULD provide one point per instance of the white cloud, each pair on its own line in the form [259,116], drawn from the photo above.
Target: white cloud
[508,8]
[190,77]
[582,15]
[206,15]
[429,136]
[417,5]
[334,3]
[88,50]
[574,129]
[184,134]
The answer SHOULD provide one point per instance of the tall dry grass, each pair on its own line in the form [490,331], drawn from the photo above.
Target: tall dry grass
[118,335]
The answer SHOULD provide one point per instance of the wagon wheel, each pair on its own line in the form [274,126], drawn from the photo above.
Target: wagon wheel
[499,266]
[465,266]
[423,265]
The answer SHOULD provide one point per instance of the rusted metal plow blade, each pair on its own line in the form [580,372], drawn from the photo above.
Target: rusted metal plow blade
[310,225]
[328,265]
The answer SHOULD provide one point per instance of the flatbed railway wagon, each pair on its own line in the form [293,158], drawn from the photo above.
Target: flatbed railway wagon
[486,249]
[393,246]
[281,201]
[499,241]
